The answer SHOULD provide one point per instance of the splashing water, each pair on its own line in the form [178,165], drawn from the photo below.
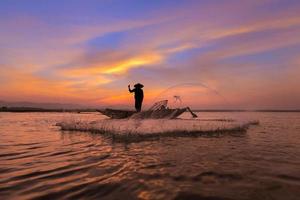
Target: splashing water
[39,161]
[130,129]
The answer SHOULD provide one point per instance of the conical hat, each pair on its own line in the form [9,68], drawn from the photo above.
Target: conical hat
[138,85]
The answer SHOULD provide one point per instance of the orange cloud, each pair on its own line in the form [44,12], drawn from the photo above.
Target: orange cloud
[131,63]
[24,85]
[89,79]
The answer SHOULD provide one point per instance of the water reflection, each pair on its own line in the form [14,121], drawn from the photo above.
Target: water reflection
[39,161]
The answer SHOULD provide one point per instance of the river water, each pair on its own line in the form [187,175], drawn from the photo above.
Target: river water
[39,161]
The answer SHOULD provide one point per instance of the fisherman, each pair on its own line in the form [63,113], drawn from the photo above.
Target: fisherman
[138,96]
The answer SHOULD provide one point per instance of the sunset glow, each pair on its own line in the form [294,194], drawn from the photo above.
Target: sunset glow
[87,52]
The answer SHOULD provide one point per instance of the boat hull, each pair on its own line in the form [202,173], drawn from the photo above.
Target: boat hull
[150,114]
[117,114]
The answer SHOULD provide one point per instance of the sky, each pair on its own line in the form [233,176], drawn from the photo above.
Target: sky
[213,53]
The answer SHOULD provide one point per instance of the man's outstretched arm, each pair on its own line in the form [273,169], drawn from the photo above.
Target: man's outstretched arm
[130,89]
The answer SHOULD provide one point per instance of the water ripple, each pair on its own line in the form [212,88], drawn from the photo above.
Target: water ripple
[38,161]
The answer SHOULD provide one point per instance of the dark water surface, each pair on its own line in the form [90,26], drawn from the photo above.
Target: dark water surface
[38,161]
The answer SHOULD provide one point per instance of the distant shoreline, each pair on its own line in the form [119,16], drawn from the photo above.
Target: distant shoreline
[264,110]
[30,109]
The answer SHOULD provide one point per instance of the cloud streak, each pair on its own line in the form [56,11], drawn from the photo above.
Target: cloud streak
[236,48]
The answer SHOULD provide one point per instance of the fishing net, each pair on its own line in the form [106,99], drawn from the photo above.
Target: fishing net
[159,105]
[194,95]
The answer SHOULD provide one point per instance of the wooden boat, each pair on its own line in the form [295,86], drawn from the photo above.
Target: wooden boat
[117,114]
[156,114]
[158,111]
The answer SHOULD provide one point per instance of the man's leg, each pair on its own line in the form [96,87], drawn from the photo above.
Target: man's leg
[138,106]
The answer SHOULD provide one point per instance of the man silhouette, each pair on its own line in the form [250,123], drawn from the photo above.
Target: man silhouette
[138,96]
